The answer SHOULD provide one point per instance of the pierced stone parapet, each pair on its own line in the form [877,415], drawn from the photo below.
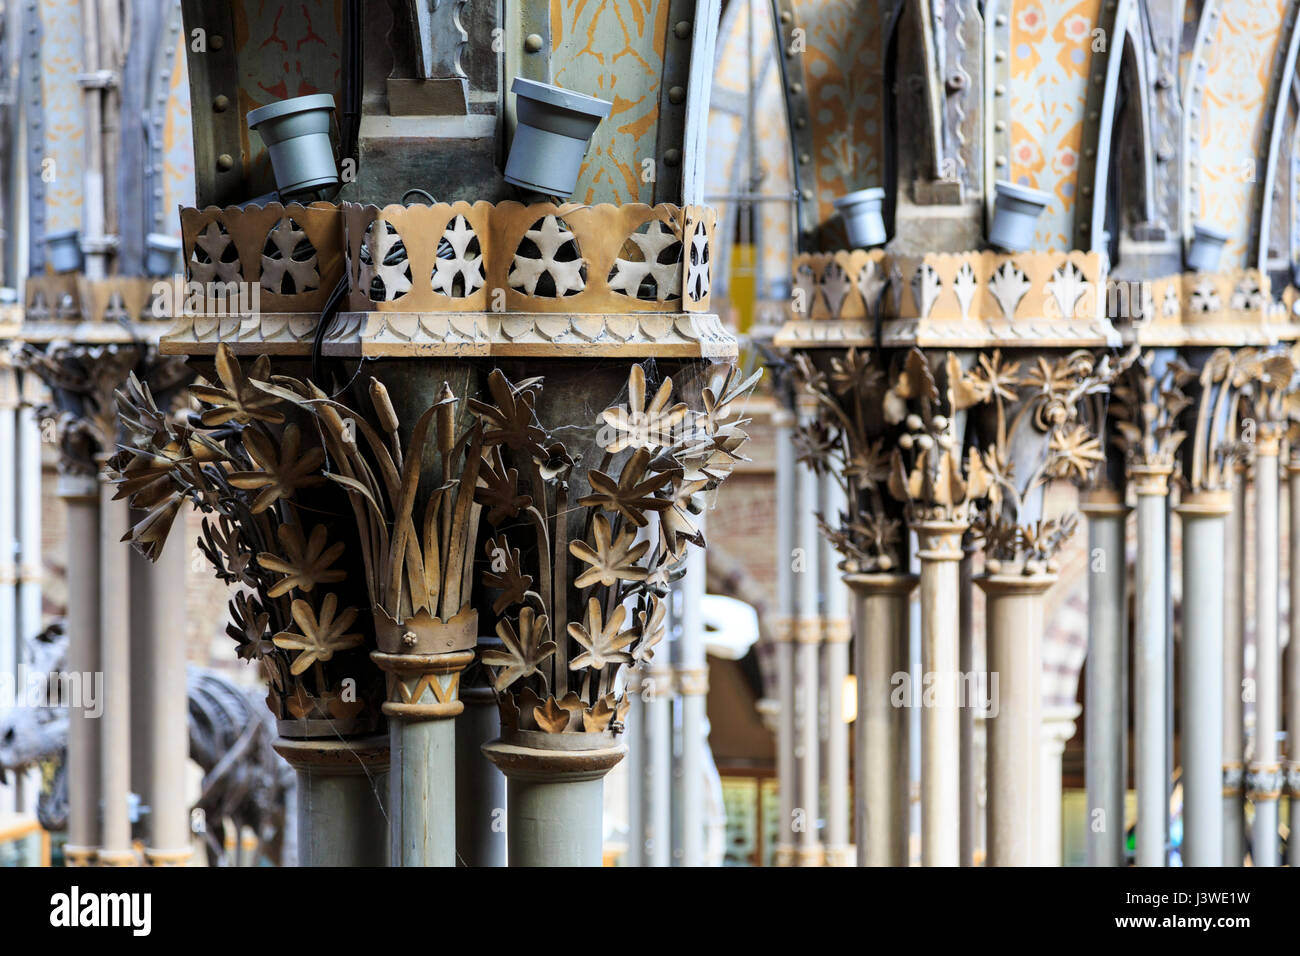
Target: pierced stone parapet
[1232,308]
[970,299]
[537,258]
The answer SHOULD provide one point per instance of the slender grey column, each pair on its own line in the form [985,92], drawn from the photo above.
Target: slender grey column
[657,696]
[480,789]
[80,494]
[1106,713]
[966,665]
[1234,629]
[786,522]
[157,611]
[636,772]
[808,636]
[1264,774]
[940,553]
[1293,666]
[836,634]
[1203,514]
[1150,662]
[554,791]
[31,561]
[9,636]
[341,816]
[693,684]
[881,784]
[1057,728]
[115,658]
[1014,622]
[422,772]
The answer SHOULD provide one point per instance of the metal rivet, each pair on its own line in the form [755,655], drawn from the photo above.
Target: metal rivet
[682,29]
[805,193]
[1000,126]
[1000,56]
[676,95]
[221,103]
[786,16]
[1001,161]
[1000,90]
[225,162]
[805,158]
[217,42]
[796,88]
[800,123]
[1087,190]
[533,43]
[1001,19]
[672,157]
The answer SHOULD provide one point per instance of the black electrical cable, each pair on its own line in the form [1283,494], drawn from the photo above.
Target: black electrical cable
[323,324]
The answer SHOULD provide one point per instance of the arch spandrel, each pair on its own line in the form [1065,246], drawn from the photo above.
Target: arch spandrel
[1040,109]
[62,138]
[1231,77]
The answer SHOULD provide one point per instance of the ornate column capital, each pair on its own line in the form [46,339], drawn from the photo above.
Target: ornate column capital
[1103,501]
[1207,504]
[940,540]
[1150,480]
[866,585]
[423,686]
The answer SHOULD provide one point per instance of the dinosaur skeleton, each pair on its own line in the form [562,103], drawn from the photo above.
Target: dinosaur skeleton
[245,783]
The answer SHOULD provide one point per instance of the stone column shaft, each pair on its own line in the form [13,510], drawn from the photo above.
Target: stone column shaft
[1106,711]
[940,554]
[1150,663]
[480,789]
[1014,622]
[115,659]
[422,754]
[156,590]
[881,784]
[1293,668]
[658,710]
[970,769]
[693,685]
[835,653]
[1057,729]
[808,661]
[554,796]
[80,494]
[1203,516]
[341,816]
[9,634]
[1265,768]
[1234,629]
[786,768]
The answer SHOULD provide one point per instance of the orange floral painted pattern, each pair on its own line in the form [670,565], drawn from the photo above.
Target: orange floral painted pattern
[1050,58]
[1233,131]
[614,51]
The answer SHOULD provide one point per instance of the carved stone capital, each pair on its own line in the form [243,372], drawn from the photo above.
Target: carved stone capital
[1264,781]
[1207,504]
[1152,480]
[423,686]
[1102,501]
[940,540]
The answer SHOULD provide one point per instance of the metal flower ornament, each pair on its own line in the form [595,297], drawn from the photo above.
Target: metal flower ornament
[581,558]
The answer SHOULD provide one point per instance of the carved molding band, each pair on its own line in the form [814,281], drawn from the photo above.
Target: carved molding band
[463,335]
